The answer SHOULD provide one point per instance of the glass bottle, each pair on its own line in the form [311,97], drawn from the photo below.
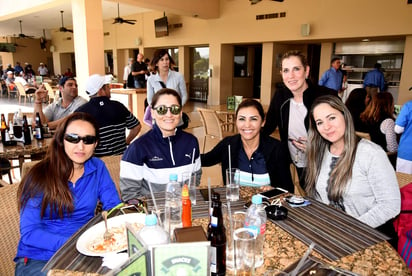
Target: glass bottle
[26,131]
[38,128]
[216,234]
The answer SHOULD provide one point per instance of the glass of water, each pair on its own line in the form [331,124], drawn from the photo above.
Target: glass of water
[232,184]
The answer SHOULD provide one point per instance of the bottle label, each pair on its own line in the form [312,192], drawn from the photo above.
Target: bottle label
[263,228]
[253,228]
[213,266]
[213,221]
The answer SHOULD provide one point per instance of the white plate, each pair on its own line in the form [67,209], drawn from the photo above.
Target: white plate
[97,230]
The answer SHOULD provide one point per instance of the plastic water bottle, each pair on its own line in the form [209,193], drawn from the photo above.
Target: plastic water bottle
[256,221]
[152,233]
[173,205]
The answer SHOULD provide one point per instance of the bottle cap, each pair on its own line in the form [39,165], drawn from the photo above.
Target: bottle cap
[256,199]
[173,177]
[150,220]
[185,191]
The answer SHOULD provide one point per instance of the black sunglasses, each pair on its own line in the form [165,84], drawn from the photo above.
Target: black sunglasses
[162,109]
[75,139]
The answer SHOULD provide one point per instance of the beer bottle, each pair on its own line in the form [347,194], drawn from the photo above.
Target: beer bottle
[26,131]
[38,128]
[3,129]
[216,234]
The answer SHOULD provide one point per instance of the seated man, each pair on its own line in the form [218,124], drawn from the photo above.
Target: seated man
[10,81]
[55,112]
[30,89]
[111,116]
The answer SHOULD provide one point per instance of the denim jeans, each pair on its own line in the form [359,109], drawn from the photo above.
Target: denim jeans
[139,84]
[30,268]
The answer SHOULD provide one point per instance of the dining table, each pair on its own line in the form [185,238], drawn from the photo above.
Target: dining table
[342,243]
[36,150]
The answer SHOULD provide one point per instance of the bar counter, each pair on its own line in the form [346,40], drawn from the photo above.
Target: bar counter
[281,250]
[133,99]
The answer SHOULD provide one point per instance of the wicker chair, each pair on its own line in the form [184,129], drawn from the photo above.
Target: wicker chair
[9,228]
[214,128]
[113,165]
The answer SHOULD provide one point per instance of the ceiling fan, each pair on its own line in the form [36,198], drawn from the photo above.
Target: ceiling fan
[252,2]
[62,28]
[14,42]
[120,20]
[21,35]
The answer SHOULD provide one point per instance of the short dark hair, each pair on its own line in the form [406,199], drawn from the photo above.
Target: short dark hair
[252,103]
[377,65]
[166,91]
[158,54]
[334,59]
[63,80]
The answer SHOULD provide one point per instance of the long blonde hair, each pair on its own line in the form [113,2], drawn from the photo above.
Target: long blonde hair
[342,172]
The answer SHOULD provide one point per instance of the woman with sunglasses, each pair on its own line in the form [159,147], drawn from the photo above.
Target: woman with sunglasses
[351,174]
[60,193]
[262,161]
[163,150]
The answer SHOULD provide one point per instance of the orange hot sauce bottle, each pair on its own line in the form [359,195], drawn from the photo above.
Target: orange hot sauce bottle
[186,207]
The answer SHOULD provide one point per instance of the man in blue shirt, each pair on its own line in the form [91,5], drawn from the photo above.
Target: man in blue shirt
[332,78]
[374,79]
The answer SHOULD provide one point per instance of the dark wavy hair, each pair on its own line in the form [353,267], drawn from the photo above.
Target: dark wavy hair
[50,176]
[380,107]
[158,54]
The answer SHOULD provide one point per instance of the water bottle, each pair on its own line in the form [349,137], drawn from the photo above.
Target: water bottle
[152,233]
[256,221]
[173,205]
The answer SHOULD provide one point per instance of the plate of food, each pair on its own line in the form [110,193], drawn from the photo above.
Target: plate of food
[91,242]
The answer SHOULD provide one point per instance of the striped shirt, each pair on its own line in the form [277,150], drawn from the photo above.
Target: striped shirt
[113,118]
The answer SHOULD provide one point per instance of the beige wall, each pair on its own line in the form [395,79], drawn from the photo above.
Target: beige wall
[330,21]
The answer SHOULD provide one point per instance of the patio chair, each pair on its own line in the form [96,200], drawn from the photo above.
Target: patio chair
[9,228]
[22,93]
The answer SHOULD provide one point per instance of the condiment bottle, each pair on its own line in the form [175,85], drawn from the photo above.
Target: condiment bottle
[186,207]
[4,130]
[216,234]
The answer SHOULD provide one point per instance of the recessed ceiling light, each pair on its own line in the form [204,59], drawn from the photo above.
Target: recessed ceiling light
[366,40]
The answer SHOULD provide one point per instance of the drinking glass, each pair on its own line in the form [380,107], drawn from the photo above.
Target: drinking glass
[244,240]
[190,178]
[232,184]
[238,221]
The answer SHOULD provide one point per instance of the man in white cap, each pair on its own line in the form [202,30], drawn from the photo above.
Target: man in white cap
[55,112]
[112,117]
[43,71]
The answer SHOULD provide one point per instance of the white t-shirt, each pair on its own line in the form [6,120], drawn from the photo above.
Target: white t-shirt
[297,114]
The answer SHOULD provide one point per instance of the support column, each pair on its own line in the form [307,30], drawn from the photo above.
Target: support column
[406,77]
[88,40]
[268,62]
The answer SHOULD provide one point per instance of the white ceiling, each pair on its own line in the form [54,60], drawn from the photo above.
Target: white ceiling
[34,23]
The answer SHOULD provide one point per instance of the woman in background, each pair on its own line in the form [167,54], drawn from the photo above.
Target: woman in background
[164,76]
[261,159]
[356,103]
[60,193]
[352,175]
[379,121]
[163,150]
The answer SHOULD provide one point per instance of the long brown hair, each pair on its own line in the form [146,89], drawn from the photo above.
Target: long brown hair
[49,178]
[380,108]
[342,173]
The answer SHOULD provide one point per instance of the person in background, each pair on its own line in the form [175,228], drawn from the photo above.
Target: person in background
[112,117]
[68,73]
[55,112]
[351,174]
[261,159]
[374,80]
[380,122]
[18,69]
[60,193]
[163,150]
[10,81]
[28,71]
[333,77]
[42,70]
[403,125]
[164,76]
[30,89]
[127,74]
[288,109]
[139,70]
[356,103]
